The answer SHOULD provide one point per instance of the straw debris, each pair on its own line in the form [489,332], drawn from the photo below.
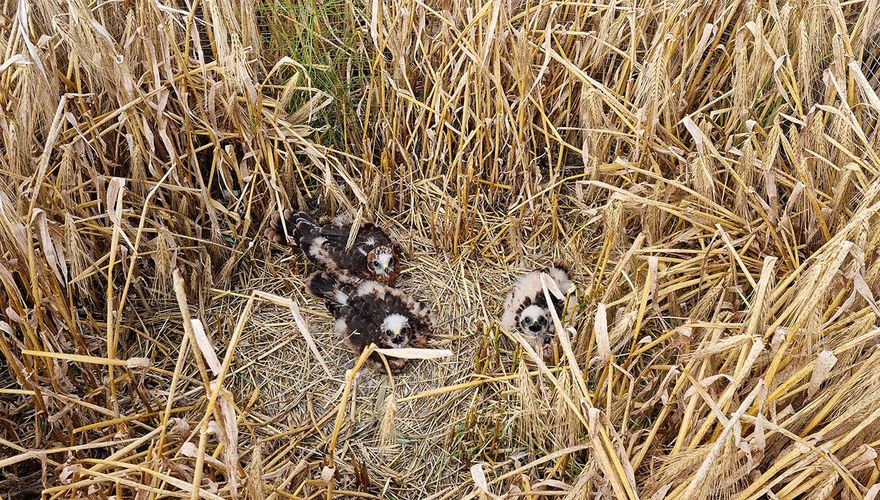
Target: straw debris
[709,170]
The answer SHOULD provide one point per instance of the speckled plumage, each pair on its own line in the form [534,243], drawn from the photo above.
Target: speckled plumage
[368,312]
[526,309]
[374,255]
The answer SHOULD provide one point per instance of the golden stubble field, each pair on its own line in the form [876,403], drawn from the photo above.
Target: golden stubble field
[707,169]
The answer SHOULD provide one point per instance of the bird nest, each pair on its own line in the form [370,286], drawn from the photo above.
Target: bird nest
[709,172]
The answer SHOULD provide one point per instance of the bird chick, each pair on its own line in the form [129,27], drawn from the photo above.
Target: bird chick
[370,312]
[526,309]
[374,255]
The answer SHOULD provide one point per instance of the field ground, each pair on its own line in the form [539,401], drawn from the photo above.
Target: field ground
[709,170]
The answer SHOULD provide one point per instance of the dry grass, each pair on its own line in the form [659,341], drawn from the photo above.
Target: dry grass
[708,169]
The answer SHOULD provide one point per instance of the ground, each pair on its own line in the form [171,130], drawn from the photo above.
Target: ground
[709,170]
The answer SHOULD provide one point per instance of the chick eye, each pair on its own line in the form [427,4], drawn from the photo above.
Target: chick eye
[391,262]
[375,263]
[527,320]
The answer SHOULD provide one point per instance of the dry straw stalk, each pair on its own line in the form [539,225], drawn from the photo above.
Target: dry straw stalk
[709,170]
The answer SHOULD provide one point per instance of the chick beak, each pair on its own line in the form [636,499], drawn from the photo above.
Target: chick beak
[386,269]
